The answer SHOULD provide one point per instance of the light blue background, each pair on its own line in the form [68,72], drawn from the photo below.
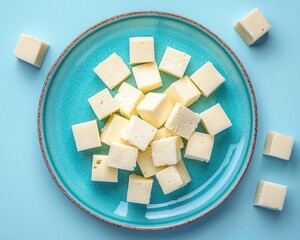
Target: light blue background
[33,207]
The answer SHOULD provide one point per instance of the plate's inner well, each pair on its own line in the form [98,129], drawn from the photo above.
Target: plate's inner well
[65,103]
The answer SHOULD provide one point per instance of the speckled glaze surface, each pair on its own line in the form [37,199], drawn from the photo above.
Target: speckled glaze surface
[63,102]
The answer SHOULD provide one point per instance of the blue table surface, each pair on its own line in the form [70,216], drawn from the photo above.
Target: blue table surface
[33,207]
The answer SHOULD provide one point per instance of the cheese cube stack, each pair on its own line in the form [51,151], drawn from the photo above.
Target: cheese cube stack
[252,27]
[138,133]
[199,147]
[112,71]
[270,195]
[183,91]
[182,121]
[31,50]
[207,79]
[215,120]
[86,135]
[278,145]
[145,162]
[166,151]
[139,189]
[103,104]
[101,172]
[128,97]
[141,50]
[147,77]
[150,131]
[122,156]
[165,133]
[155,108]
[173,177]
[174,62]
[111,132]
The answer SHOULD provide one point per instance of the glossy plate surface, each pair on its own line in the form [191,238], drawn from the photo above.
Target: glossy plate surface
[71,81]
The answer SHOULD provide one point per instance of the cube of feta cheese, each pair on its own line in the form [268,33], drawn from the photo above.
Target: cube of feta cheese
[141,50]
[112,71]
[183,91]
[155,108]
[86,135]
[169,179]
[145,162]
[103,104]
[207,79]
[278,145]
[122,156]
[101,172]
[147,77]
[215,120]
[173,177]
[139,189]
[138,133]
[252,27]
[31,50]
[165,133]
[182,121]
[128,97]
[270,195]
[174,62]
[199,146]
[113,128]
[166,151]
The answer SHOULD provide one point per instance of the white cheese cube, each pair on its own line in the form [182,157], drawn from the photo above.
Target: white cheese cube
[155,108]
[139,189]
[174,62]
[128,97]
[113,128]
[215,120]
[207,79]
[182,121]
[103,104]
[31,50]
[183,172]
[270,195]
[278,145]
[166,151]
[169,179]
[183,91]
[141,50]
[138,133]
[199,146]
[86,135]
[165,133]
[101,172]
[112,71]
[122,156]
[145,162]
[252,27]
[147,77]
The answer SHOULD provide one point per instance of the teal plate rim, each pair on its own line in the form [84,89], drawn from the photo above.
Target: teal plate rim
[112,19]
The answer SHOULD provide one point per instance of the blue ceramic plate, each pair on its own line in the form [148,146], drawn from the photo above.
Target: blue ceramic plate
[63,102]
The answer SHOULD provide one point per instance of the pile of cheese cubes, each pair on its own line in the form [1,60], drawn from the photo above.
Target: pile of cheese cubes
[149,129]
